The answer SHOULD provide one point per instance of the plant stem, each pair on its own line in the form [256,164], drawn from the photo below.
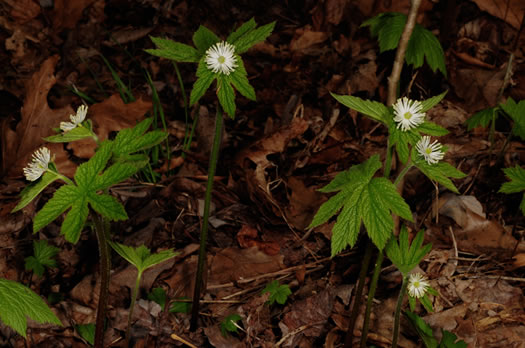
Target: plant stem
[102,232]
[398,310]
[388,159]
[187,137]
[358,294]
[214,156]
[403,173]
[132,305]
[371,293]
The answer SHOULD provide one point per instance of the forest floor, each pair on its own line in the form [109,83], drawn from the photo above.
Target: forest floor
[275,155]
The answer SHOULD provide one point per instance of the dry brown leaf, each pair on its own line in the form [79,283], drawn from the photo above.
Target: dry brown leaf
[67,13]
[247,238]
[232,264]
[304,202]
[219,341]
[23,10]
[510,11]
[111,115]
[519,260]
[335,10]
[305,38]
[37,122]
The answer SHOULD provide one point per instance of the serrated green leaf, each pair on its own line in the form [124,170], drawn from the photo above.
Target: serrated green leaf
[158,295]
[401,139]
[430,128]
[346,228]
[448,340]
[406,256]
[32,190]
[113,175]
[431,102]
[19,303]
[174,50]
[440,172]
[516,111]
[131,140]
[203,39]
[240,81]
[226,95]
[228,324]
[278,293]
[75,134]
[250,37]
[423,329]
[59,203]
[107,206]
[87,332]
[516,175]
[87,172]
[372,109]
[390,197]
[141,256]
[75,220]
[328,209]
[204,79]
[482,118]
[44,255]
[243,29]
[388,27]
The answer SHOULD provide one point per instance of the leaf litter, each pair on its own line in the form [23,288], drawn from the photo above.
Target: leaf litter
[275,158]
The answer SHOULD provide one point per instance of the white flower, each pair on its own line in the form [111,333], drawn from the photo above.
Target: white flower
[75,119]
[38,165]
[220,58]
[417,285]
[431,152]
[408,114]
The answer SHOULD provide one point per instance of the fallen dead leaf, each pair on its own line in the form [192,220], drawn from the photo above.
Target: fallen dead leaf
[23,10]
[510,11]
[304,203]
[67,13]
[247,238]
[305,39]
[219,341]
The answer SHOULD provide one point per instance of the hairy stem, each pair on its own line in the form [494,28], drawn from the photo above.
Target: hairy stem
[403,173]
[393,80]
[358,294]
[371,293]
[398,310]
[132,305]
[102,232]
[214,156]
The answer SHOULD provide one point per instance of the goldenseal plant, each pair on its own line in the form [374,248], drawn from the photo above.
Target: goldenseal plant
[363,198]
[218,60]
[87,194]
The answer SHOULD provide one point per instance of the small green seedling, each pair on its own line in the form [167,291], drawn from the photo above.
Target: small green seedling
[158,295]
[449,340]
[19,303]
[229,324]
[87,332]
[142,259]
[516,184]
[43,256]
[181,305]
[278,293]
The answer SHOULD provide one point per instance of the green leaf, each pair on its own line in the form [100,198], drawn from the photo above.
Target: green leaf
[249,38]
[448,340]
[107,206]
[433,101]
[243,29]
[401,139]
[482,118]
[59,203]
[516,176]
[174,50]
[226,95]
[240,81]
[228,324]
[431,129]
[75,134]
[388,27]
[32,190]
[423,329]
[404,256]
[75,220]
[204,79]
[44,255]
[178,306]
[19,303]
[87,332]
[203,39]
[516,111]
[278,293]
[363,199]
[131,140]
[440,172]
[158,295]
[141,256]
[372,109]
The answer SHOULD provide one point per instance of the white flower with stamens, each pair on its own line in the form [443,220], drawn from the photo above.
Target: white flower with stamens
[408,114]
[38,165]
[417,285]
[431,152]
[220,58]
[75,119]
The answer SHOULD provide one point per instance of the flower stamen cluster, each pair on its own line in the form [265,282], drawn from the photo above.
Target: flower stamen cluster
[431,152]
[417,285]
[38,165]
[76,119]
[220,58]
[408,113]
